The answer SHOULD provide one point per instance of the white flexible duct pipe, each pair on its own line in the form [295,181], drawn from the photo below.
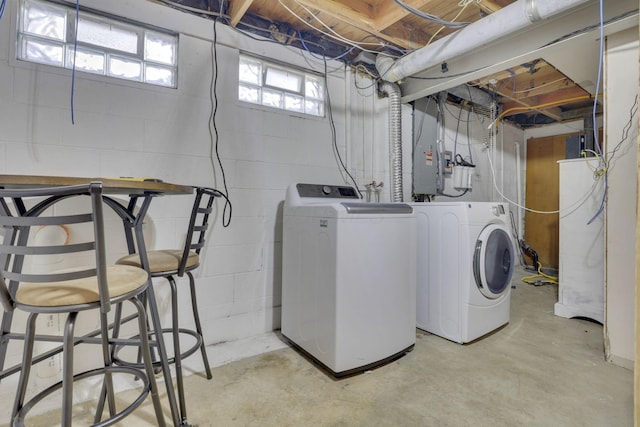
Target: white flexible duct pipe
[507,20]
[395,139]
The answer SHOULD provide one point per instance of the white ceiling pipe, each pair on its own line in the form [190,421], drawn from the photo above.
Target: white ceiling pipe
[506,21]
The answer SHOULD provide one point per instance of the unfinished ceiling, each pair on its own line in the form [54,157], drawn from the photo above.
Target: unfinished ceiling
[533,92]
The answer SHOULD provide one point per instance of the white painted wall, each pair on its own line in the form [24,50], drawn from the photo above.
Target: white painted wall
[486,150]
[621,88]
[130,129]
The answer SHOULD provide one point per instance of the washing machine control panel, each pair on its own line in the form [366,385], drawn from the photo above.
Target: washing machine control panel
[327,191]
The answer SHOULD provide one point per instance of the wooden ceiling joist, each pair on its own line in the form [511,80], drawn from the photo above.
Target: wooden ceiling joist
[238,9]
[360,20]
[389,13]
[489,6]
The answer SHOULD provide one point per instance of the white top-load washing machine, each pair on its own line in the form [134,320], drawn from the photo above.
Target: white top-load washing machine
[466,256]
[348,279]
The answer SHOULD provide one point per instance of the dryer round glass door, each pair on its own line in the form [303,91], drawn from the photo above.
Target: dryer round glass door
[493,261]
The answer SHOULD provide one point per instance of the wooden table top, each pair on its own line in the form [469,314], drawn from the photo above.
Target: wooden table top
[123,185]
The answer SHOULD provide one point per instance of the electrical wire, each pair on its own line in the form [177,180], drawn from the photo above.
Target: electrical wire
[466,190]
[537,86]
[455,141]
[452,20]
[432,18]
[339,36]
[335,37]
[625,131]
[546,104]
[193,9]
[535,279]
[334,138]
[213,128]
[468,123]
[3,3]
[73,66]
[570,209]
[361,68]
[595,105]
[319,57]
[226,18]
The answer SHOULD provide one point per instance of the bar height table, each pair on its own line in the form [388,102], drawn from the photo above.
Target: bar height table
[137,189]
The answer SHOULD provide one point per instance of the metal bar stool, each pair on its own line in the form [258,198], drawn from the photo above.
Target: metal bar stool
[178,262]
[71,291]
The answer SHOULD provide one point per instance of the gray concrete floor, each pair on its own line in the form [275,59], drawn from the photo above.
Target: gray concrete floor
[539,370]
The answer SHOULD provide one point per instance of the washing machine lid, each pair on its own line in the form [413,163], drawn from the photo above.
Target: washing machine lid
[493,261]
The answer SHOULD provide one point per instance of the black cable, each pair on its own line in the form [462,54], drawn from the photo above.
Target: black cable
[213,135]
[626,129]
[455,141]
[332,124]
[454,196]
[469,135]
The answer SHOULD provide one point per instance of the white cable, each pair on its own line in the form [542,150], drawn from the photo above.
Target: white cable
[570,209]
[340,38]
[538,87]
[465,3]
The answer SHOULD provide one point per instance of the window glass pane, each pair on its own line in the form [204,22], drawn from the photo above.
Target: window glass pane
[125,68]
[44,20]
[283,79]
[294,103]
[315,108]
[314,88]
[278,86]
[86,60]
[42,51]
[159,75]
[249,94]
[250,72]
[272,98]
[105,45]
[107,35]
[160,48]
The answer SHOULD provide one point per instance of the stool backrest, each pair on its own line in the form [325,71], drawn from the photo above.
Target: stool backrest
[198,223]
[18,222]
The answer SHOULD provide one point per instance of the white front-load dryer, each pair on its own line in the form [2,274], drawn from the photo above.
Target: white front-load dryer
[465,263]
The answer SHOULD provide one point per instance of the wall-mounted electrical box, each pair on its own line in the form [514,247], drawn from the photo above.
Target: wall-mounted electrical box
[425,147]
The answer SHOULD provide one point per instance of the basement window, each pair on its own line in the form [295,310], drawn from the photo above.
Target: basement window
[279,86]
[106,45]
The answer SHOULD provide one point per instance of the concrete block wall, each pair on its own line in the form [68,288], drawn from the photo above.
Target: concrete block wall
[130,129]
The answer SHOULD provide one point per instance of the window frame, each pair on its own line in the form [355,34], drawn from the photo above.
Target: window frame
[265,65]
[95,16]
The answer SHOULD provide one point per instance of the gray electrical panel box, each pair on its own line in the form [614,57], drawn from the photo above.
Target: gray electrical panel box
[425,147]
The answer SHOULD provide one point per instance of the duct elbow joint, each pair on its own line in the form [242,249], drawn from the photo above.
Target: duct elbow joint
[385,66]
